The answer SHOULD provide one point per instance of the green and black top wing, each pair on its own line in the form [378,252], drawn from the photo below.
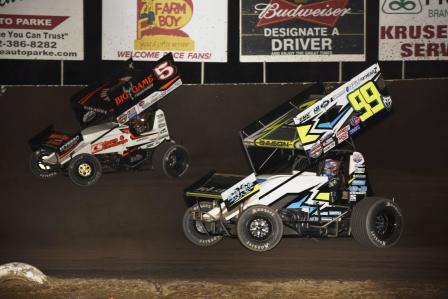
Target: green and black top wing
[276,129]
[266,139]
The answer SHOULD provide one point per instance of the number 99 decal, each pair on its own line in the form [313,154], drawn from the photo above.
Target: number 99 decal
[367,98]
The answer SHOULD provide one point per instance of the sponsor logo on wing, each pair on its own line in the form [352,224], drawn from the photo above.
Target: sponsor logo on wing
[387,101]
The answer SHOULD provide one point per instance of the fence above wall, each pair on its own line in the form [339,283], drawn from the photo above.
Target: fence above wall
[92,69]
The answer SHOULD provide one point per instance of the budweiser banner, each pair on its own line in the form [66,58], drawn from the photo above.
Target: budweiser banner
[302,30]
[41,29]
[193,30]
[413,30]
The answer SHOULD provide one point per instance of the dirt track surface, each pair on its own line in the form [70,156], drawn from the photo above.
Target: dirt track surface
[129,224]
[91,288]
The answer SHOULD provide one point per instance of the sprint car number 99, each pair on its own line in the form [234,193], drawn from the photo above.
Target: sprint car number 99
[367,98]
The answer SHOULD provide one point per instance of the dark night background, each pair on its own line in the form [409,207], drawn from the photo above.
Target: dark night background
[93,68]
[130,223]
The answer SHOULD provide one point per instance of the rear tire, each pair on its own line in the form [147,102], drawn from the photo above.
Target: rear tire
[84,170]
[194,231]
[259,228]
[377,222]
[171,159]
[39,168]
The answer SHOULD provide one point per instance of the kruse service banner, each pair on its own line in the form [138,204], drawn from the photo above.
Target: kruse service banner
[413,30]
[42,29]
[302,30]
[194,30]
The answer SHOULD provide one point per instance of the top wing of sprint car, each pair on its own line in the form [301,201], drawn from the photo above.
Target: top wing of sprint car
[312,123]
[126,94]
[118,100]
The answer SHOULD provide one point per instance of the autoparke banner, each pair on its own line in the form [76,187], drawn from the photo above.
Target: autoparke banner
[413,30]
[42,29]
[193,30]
[302,30]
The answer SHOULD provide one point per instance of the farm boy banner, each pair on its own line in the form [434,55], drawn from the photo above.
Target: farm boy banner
[302,30]
[194,30]
[413,30]
[41,29]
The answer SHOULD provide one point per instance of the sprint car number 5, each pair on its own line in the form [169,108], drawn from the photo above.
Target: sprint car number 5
[164,71]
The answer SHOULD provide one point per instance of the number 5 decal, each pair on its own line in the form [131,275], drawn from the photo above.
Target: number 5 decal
[367,98]
[164,70]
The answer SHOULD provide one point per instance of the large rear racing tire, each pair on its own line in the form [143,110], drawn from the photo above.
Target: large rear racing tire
[84,170]
[171,159]
[194,230]
[377,222]
[259,228]
[39,168]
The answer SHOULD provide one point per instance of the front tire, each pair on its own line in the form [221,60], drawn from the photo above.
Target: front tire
[84,170]
[194,230]
[39,168]
[377,222]
[259,228]
[171,159]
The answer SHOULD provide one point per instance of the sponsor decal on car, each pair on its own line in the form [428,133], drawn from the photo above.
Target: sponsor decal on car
[59,136]
[354,121]
[342,134]
[88,116]
[101,146]
[358,158]
[329,145]
[315,151]
[274,143]
[134,90]
[69,144]
[361,170]
[132,113]
[387,102]
[122,118]
[354,129]
[240,190]
[358,183]
[358,189]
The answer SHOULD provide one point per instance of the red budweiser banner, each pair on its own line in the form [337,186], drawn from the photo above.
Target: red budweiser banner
[30,22]
[324,12]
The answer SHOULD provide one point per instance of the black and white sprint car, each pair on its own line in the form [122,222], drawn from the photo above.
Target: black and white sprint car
[325,192]
[121,129]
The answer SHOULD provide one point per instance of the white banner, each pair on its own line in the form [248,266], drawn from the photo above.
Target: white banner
[193,30]
[42,29]
[413,30]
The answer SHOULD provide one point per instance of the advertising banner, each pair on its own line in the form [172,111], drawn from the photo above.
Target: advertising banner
[413,30]
[42,29]
[193,30]
[302,30]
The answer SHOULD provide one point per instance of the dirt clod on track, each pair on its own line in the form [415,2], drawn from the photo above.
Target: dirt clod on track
[109,288]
